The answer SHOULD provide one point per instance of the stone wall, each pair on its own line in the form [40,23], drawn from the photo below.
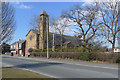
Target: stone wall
[31,41]
[43,24]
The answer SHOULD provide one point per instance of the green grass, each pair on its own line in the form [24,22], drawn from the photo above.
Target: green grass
[18,73]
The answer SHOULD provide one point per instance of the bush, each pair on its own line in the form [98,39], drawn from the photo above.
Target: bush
[50,50]
[84,56]
[69,49]
[79,49]
[79,53]
[93,56]
[56,50]
[45,50]
[37,50]
[106,57]
[118,60]
[30,50]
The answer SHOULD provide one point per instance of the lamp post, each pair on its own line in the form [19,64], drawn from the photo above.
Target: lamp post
[47,42]
[53,43]
[53,39]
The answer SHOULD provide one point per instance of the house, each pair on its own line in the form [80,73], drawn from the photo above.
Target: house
[18,48]
[117,49]
[37,39]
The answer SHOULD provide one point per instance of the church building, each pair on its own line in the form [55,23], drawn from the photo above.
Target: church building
[37,39]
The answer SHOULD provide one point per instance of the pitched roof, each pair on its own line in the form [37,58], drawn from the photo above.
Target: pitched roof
[43,13]
[67,42]
[20,41]
[14,43]
[66,39]
[34,31]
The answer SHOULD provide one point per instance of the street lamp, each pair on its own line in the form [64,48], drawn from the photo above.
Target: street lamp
[47,40]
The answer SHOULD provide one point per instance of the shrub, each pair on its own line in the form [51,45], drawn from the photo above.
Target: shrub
[45,50]
[81,49]
[56,50]
[30,50]
[70,49]
[84,56]
[50,50]
[93,56]
[79,53]
[118,60]
[37,50]
[104,56]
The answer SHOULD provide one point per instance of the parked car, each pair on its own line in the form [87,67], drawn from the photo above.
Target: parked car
[7,52]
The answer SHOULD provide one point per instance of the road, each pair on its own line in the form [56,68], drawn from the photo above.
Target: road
[61,68]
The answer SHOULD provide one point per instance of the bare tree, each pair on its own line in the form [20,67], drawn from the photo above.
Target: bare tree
[78,39]
[110,28]
[119,24]
[53,24]
[60,27]
[8,22]
[85,19]
[34,22]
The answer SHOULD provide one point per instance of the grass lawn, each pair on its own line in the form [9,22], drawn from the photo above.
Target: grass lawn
[18,73]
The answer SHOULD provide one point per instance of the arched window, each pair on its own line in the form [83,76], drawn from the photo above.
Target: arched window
[31,37]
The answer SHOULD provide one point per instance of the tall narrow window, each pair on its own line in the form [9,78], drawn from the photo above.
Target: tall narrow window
[31,37]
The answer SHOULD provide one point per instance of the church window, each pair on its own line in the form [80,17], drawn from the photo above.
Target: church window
[40,18]
[31,37]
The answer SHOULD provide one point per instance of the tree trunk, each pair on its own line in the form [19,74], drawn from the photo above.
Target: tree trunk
[61,43]
[113,45]
[84,41]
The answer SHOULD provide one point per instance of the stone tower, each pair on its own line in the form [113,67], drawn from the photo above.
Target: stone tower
[43,28]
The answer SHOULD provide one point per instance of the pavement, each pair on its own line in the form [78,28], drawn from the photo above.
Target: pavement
[62,68]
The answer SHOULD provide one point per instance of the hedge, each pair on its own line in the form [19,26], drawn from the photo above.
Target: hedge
[105,57]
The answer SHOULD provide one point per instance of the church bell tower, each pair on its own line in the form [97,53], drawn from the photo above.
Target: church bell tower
[43,29]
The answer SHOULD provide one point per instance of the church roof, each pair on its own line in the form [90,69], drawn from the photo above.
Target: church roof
[43,13]
[66,38]
[34,31]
